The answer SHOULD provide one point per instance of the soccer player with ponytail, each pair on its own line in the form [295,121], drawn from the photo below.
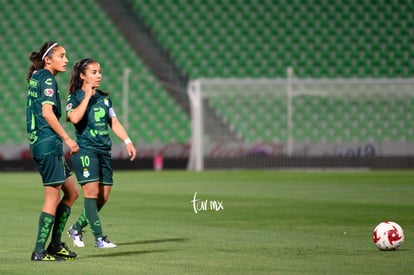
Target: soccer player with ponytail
[91,112]
[46,137]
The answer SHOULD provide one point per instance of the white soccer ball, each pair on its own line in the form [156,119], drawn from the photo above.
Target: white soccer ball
[388,236]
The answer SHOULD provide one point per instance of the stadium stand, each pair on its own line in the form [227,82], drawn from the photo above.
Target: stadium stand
[154,117]
[319,39]
[260,38]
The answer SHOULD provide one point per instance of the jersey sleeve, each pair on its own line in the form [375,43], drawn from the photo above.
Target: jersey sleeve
[48,90]
[111,109]
[73,101]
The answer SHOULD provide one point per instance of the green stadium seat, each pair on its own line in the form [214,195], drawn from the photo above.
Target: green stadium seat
[228,39]
[104,43]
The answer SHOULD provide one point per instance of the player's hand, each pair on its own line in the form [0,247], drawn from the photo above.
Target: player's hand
[72,145]
[132,152]
[88,89]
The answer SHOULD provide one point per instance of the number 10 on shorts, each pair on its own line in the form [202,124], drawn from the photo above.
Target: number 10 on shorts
[85,161]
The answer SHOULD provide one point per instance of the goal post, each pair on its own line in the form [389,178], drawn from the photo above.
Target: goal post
[196,152]
[215,119]
[253,123]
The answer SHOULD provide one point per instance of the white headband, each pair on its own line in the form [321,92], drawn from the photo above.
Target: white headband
[48,50]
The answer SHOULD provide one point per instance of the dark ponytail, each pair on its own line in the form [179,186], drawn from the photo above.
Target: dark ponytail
[37,58]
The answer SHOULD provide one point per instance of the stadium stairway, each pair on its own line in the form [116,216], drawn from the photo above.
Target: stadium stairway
[158,60]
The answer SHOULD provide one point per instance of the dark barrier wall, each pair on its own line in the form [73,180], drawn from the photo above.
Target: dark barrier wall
[247,163]
[139,164]
[331,162]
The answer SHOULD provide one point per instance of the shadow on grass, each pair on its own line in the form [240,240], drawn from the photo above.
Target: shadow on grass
[154,241]
[126,253]
[138,252]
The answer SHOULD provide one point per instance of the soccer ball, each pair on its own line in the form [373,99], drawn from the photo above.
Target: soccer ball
[388,236]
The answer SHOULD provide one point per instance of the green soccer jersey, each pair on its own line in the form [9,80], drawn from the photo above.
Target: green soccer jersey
[92,131]
[43,89]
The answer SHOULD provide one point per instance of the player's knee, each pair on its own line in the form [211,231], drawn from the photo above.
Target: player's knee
[76,194]
[71,195]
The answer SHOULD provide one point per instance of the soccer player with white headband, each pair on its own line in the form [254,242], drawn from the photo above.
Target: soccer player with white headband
[46,137]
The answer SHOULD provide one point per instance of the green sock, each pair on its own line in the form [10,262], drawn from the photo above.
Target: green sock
[91,212]
[82,221]
[45,226]
[62,215]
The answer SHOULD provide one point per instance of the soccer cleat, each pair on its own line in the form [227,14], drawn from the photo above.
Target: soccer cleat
[76,237]
[61,251]
[103,242]
[45,256]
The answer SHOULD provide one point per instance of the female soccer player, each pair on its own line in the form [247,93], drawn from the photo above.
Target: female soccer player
[45,134]
[91,112]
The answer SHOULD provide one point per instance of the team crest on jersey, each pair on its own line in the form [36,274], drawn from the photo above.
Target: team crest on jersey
[69,106]
[48,92]
[106,102]
[86,173]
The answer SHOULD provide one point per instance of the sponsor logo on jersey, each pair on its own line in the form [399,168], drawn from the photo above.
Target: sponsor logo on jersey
[106,101]
[48,92]
[31,93]
[99,113]
[33,82]
[69,107]
[48,81]
[32,136]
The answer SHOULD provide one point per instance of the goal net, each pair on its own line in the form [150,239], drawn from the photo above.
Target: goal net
[268,123]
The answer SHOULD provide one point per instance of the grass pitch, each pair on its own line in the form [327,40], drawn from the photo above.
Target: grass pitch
[247,222]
